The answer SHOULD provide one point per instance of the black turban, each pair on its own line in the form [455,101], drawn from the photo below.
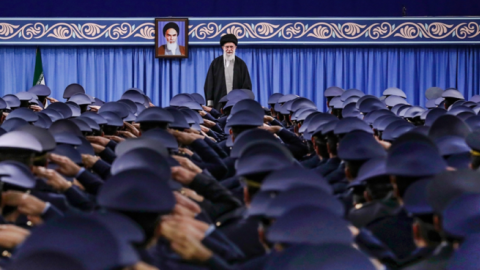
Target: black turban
[229,38]
[171,25]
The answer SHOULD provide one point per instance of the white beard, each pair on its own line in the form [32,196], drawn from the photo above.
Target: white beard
[229,57]
[172,46]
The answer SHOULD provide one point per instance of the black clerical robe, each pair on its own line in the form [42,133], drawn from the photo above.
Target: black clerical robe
[215,85]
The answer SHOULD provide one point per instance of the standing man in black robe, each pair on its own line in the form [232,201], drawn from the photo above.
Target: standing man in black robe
[226,72]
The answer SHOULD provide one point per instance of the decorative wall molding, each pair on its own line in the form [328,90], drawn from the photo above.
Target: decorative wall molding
[250,31]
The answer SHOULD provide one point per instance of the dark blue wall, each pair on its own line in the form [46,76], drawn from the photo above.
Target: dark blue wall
[230,8]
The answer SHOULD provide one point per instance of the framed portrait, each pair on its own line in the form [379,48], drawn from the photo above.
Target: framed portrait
[171,37]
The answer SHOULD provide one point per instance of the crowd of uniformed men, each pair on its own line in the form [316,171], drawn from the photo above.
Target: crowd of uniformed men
[375,183]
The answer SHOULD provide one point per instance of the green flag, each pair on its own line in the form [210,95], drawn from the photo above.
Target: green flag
[38,75]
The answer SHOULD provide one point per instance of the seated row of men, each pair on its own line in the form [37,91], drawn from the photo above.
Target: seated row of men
[375,183]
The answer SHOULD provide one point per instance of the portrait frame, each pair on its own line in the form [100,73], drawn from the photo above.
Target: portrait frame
[159,23]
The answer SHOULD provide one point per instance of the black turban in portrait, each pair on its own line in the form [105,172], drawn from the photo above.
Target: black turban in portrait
[171,25]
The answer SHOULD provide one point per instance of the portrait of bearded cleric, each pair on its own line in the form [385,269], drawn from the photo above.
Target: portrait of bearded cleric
[171,38]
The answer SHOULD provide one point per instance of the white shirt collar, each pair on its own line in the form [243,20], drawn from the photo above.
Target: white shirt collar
[174,52]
